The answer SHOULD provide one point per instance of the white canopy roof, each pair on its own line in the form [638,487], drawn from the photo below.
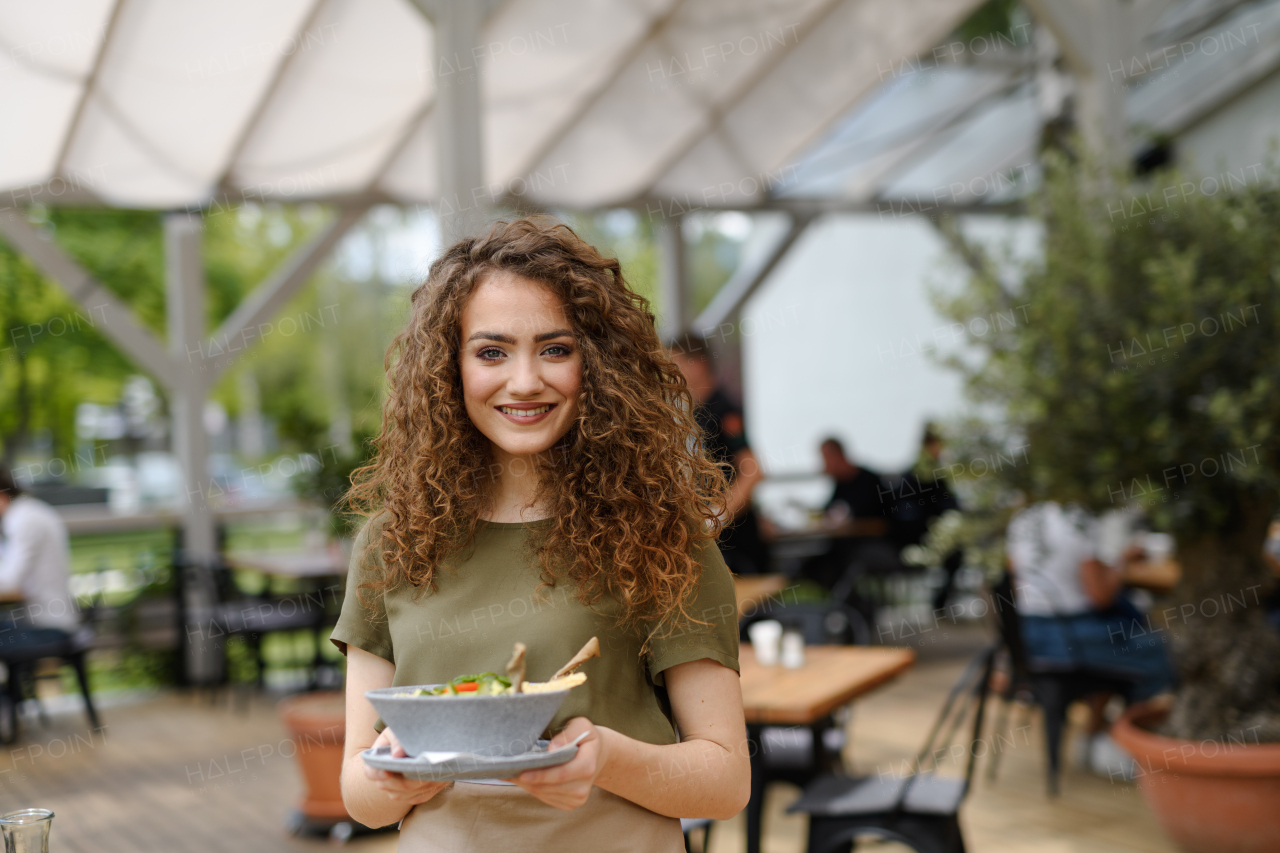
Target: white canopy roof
[183,103]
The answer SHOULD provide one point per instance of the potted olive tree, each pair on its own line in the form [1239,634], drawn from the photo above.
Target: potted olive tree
[1144,370]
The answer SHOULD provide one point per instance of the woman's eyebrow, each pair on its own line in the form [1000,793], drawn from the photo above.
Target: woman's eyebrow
[547,336]
[492,336]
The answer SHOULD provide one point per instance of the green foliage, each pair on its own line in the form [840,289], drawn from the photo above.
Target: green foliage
[1143,368]
[53,355]
[627,237]
[328,485]
[1004,17]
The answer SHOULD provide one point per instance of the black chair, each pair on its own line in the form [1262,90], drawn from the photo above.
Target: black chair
[918,809]
[798,754]
[213,610]
[1054,687]
[20,663]
[690,825]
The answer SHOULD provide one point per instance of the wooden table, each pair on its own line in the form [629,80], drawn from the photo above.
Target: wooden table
[313,569]
[854,528]
[11,597]
[832,676]
[292,564]
[1154,575]
[751,590]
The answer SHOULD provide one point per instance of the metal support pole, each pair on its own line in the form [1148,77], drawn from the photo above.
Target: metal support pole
[720,322]
[673,280]
[184,289]
[1099,40]
[184,307]
[464,202]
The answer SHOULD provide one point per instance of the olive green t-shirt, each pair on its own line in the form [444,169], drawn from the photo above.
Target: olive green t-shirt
[488,597]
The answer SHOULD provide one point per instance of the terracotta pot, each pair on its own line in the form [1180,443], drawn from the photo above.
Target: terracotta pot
[1211,797]
[317,722]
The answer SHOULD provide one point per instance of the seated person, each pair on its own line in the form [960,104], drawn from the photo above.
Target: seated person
[859,497]
[35,563]
[920,496]
[1068,593]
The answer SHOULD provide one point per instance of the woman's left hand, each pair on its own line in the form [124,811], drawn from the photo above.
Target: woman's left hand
[567,786]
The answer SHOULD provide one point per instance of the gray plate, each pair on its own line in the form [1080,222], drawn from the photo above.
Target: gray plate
[470,766]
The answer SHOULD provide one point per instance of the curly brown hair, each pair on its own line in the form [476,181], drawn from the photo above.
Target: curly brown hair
[630,488]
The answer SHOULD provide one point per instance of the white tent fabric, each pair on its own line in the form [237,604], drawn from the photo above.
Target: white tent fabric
[187,103]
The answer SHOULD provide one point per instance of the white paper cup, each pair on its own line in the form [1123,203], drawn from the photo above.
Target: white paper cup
[766,638]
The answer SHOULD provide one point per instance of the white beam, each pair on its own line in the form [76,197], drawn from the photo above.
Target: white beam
[753,271]
[184,308]
[1100,40]
[239,331]
[462,207]
[673,277]
[116,318]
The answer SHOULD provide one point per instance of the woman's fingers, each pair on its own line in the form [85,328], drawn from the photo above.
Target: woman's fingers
[397,751]
[569,785]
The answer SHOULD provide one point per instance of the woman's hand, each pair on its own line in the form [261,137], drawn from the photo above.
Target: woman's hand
[410,792]
[567,786]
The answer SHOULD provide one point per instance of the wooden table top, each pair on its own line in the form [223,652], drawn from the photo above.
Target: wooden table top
[1156,576]
[12,596]
[831,676]
[854,528]
[293,564]
[753,589]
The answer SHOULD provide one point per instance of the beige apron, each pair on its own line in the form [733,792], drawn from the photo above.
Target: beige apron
[479,818]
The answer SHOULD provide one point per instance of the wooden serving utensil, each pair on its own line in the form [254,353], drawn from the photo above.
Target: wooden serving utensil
[515,667]
[586,653]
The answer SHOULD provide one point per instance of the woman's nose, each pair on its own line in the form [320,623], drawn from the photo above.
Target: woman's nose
[526,377]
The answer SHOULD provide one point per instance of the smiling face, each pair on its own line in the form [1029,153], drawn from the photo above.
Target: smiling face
[521,368]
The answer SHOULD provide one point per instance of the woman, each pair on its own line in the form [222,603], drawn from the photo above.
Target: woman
[539,478]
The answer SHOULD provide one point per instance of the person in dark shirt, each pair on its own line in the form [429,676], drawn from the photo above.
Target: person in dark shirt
[725,439]
[920,496]
[858,500]
[858,490]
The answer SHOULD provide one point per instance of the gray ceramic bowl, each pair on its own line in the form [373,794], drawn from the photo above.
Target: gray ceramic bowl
[483,725]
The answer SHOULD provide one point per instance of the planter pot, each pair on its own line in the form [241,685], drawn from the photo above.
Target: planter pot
[1211,797]
[317,722]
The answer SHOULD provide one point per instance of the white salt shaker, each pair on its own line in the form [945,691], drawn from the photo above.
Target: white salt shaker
[792,649]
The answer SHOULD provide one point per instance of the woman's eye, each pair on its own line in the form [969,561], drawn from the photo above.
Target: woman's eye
[557,350]
[490,353]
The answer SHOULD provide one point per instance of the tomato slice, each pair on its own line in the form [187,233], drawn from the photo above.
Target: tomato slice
[467,687]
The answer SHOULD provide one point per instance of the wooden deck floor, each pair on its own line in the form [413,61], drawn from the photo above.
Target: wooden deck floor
[174,773]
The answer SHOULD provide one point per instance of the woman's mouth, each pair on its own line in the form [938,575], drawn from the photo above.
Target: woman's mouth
[526,414]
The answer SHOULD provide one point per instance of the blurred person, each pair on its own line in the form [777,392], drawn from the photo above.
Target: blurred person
[1068,585]
[725,440]
[35,563]
[858,497]
[920,496]
[859,491]
[538,476]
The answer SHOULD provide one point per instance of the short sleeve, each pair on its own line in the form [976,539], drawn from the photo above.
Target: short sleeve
[1020,541]
[716,606]
[364,624]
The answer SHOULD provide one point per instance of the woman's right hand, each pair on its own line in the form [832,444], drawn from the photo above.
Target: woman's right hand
[410,792]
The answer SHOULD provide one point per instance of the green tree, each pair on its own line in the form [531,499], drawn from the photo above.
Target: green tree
[53,355]
[1145,370]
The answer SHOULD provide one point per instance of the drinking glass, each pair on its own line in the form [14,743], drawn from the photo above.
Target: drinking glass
[26,830]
